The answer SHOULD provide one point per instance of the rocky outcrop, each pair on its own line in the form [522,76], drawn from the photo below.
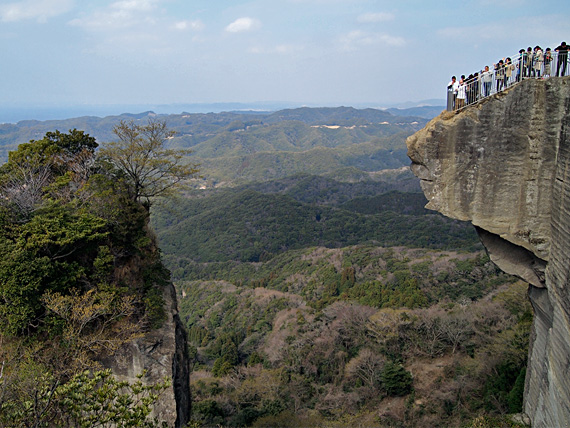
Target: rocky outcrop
[161,353]
[504,165]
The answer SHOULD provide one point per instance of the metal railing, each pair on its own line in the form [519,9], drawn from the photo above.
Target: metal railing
[506,73]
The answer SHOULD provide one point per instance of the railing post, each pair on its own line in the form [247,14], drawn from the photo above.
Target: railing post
[450,97]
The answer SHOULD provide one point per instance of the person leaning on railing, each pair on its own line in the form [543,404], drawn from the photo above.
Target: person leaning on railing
[562,58]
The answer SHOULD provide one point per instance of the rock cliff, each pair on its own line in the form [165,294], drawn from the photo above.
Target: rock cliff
[160,350]
[504,165]
[161,353]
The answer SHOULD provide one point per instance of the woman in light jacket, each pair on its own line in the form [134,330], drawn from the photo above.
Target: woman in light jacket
[509,67]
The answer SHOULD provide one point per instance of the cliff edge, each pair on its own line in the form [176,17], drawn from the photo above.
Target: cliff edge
[160,353]
[503,164]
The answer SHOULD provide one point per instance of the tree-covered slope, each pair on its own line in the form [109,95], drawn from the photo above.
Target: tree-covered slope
[249,225]
[339,116]
[341,186]
[264,166]
[355,336]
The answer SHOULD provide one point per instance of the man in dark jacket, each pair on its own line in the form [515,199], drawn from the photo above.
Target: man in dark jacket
[562,58]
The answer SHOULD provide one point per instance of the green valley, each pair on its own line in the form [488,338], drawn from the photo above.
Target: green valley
[315,287]
[318,291]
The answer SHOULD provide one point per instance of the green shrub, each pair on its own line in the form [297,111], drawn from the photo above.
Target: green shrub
[396,379]
[515,396]
[208,413]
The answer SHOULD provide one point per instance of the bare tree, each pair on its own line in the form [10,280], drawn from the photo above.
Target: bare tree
[24,188]
[150,168]
[431,331]
[366,366]
[457,329]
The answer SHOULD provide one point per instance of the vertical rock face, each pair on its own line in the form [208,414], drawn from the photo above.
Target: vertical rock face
[504,165]
[162,353]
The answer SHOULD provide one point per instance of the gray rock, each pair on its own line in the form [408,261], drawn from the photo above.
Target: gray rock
[161,353]
[503,164]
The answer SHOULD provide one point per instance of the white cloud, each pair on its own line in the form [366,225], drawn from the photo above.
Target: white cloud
[188,25]
[282,49]
[136,5]
[120,14]
[391,40]
[368,18]
[243,24]
[40,10]
[356,39]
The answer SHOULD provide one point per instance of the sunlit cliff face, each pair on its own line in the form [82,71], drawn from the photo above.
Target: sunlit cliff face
[503,164]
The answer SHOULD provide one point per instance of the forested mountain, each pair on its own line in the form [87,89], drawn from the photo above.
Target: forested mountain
[198,127]
[427,112]
[240,147]
[360,335]
[262,224]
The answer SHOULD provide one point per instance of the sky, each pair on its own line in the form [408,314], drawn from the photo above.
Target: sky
[376,53]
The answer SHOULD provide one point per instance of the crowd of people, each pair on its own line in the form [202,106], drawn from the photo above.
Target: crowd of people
[529,63]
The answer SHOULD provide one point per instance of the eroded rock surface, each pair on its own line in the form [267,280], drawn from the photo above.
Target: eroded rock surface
[503,164]
[161,353]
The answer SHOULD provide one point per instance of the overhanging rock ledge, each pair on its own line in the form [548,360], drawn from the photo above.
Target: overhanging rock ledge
[503,164]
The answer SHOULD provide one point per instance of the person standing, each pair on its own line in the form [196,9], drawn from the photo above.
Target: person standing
[500,75]
[469,89]
[476,87]
[547,62]
[487,80]
[461,94]
[509,67]
[520,66]
[528,62]
[538,60]
[562,58]
[452,93]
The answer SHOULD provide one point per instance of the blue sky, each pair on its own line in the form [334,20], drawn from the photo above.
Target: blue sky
[306,52]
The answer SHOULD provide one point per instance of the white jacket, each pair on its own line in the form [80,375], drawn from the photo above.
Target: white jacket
[487,76]
[453,85]
[462,91]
